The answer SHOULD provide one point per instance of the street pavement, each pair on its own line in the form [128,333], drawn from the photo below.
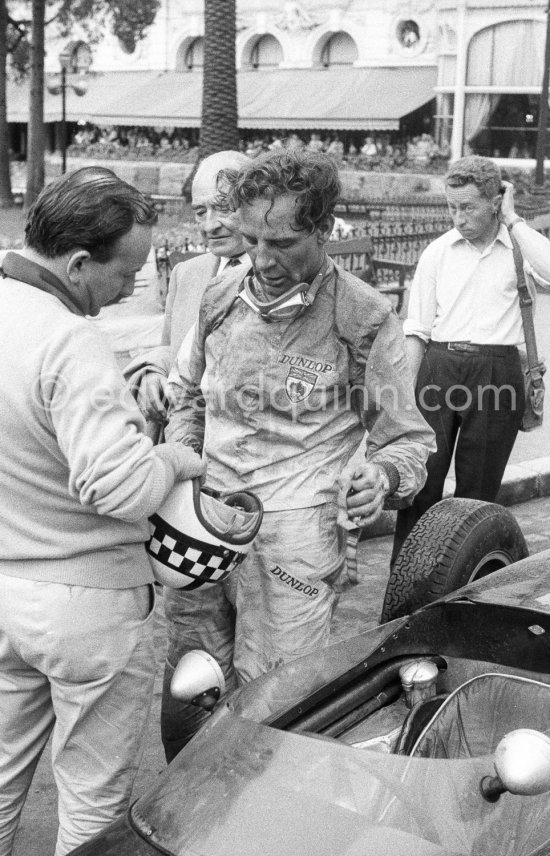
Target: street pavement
[136,323]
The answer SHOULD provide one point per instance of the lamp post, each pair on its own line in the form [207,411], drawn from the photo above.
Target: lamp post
[80,87]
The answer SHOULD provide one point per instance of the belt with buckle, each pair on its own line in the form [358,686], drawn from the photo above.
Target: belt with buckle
[473,348]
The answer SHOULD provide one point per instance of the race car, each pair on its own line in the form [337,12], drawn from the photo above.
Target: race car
[427,735]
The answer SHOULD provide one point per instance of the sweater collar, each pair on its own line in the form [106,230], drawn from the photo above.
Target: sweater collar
[19,267]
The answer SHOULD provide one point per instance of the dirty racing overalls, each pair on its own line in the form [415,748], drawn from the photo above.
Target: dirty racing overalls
[279,408]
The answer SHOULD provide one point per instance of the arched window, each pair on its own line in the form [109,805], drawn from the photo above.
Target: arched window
[504,56]
[266,53]
[190,55]
[340,49]
[507,54]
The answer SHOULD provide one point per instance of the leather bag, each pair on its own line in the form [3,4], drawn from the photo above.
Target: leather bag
[532,367]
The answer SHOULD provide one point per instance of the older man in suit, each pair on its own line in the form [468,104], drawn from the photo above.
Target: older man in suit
[148,373]
[148,377]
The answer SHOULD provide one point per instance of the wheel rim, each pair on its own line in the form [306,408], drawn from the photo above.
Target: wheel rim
[491,562]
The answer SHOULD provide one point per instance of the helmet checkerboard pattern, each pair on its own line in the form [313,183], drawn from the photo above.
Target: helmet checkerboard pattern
[188,557]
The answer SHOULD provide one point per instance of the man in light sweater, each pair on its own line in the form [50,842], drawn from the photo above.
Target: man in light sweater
[78,479]
[148,373]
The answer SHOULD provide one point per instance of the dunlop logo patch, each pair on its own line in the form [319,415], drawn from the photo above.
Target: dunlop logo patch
[299,384]
[305,588]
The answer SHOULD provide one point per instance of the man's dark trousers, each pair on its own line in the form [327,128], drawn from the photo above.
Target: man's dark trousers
[473,397]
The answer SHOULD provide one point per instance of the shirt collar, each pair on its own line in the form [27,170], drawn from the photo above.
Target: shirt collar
[502,235]
[224,261]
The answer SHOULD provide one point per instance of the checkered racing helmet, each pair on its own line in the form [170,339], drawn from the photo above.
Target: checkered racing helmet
[199,536]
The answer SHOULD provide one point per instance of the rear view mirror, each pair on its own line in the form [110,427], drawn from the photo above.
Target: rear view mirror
[522,765]
[198,680]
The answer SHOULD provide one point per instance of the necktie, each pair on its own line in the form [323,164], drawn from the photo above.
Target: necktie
[234,261]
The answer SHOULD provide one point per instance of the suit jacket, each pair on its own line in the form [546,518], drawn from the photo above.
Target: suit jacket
[187,284]
[188,281]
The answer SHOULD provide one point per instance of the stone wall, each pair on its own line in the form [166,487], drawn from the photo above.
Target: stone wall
[166,179]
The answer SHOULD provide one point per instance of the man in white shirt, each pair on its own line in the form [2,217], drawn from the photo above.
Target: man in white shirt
[462,332]
[148,373]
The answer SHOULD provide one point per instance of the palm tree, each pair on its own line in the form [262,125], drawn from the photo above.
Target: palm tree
[6,197]
[219,123]
[35,151]
[219,128]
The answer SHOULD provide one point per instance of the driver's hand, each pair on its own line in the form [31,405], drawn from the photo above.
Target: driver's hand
[362,494]
[154,396]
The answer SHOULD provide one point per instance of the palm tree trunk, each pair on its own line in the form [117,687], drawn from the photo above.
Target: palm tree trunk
[6,197]
[35,155]
[219,129]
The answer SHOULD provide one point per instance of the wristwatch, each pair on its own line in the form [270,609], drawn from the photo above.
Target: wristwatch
[390,477]
[517,219]
[385,481]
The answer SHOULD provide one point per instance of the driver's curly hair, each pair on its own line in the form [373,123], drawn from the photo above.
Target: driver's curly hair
[312,176]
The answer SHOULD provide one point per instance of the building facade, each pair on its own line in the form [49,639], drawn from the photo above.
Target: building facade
[303,34]
[490,69]
[337,66]
[472,67]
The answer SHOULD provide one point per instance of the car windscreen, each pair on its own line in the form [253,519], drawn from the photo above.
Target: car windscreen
[338,664]
[244,788]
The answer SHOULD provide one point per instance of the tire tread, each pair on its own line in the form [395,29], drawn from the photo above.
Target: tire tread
[427,557]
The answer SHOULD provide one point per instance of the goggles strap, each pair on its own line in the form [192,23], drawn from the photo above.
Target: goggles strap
[300,295]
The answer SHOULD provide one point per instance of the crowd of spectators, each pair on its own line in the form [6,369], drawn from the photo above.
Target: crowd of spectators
[135,143]
[376,151]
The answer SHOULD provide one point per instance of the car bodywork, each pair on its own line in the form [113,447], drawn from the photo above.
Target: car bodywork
[304,759]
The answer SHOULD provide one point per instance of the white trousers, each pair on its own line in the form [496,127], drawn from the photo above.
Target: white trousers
[78,662]
[276,606]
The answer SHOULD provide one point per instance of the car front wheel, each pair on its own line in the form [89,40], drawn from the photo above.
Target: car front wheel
[454,542]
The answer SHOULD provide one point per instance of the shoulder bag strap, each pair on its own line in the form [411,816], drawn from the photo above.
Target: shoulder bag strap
[526,307]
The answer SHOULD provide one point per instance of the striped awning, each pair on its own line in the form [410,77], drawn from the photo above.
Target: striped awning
[332,99]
